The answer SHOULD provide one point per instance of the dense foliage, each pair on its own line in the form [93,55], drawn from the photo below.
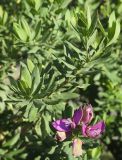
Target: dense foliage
[57,55]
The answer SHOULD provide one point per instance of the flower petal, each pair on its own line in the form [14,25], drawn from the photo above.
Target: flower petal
[63,125]
[95,130]
[77,116]
[77,148]
[60,136]
[87,114]
[84,127]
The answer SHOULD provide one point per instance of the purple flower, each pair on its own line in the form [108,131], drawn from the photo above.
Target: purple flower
[66,125]
[87,114]
[77,116]
[77,148]
[64,128]
[93,131]
[63,125]
[81,118]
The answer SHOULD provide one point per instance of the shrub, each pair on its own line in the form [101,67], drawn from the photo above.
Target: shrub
[55,57]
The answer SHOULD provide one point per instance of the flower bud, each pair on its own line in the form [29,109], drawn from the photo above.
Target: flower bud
[60,136]
[87,114]
[77,148]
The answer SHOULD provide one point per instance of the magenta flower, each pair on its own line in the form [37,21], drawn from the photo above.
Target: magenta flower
[72,127]
[64,128]
[66,125]
[93,131]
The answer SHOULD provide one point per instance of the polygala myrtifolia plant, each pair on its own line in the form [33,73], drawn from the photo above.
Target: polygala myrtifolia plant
[63,56]
[77,129]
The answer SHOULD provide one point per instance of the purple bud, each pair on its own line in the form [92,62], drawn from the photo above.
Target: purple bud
[87,114]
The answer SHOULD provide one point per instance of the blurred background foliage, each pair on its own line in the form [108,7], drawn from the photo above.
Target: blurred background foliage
[55,56]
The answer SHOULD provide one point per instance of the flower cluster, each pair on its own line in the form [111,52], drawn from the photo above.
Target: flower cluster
[79,122]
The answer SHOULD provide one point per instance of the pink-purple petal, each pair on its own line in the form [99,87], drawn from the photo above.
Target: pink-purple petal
[77,116]
[87,114]
[84,127]
[95,130]
[99,125]
[63,125]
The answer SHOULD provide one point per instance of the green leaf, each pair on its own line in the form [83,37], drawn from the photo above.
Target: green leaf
[37,30]
[65,3]
[5,17]
[45,127]
[51,81]
[96,152]
[38,127]
[30,65]
[33,114]
[25,26]
[77,50]
[38,87]
[88,17]
[35,78]
[59,67]
[38,4]
[13,140]
[68,95]
[101,28]
[25,75]
[114,32]
[83,19]
[27,111]
[11,154]
[112,19]
[39,104]
[21,34]
[92,39]
[93,24]
[3,152]
[68,151]
[22,85]
[68,65]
